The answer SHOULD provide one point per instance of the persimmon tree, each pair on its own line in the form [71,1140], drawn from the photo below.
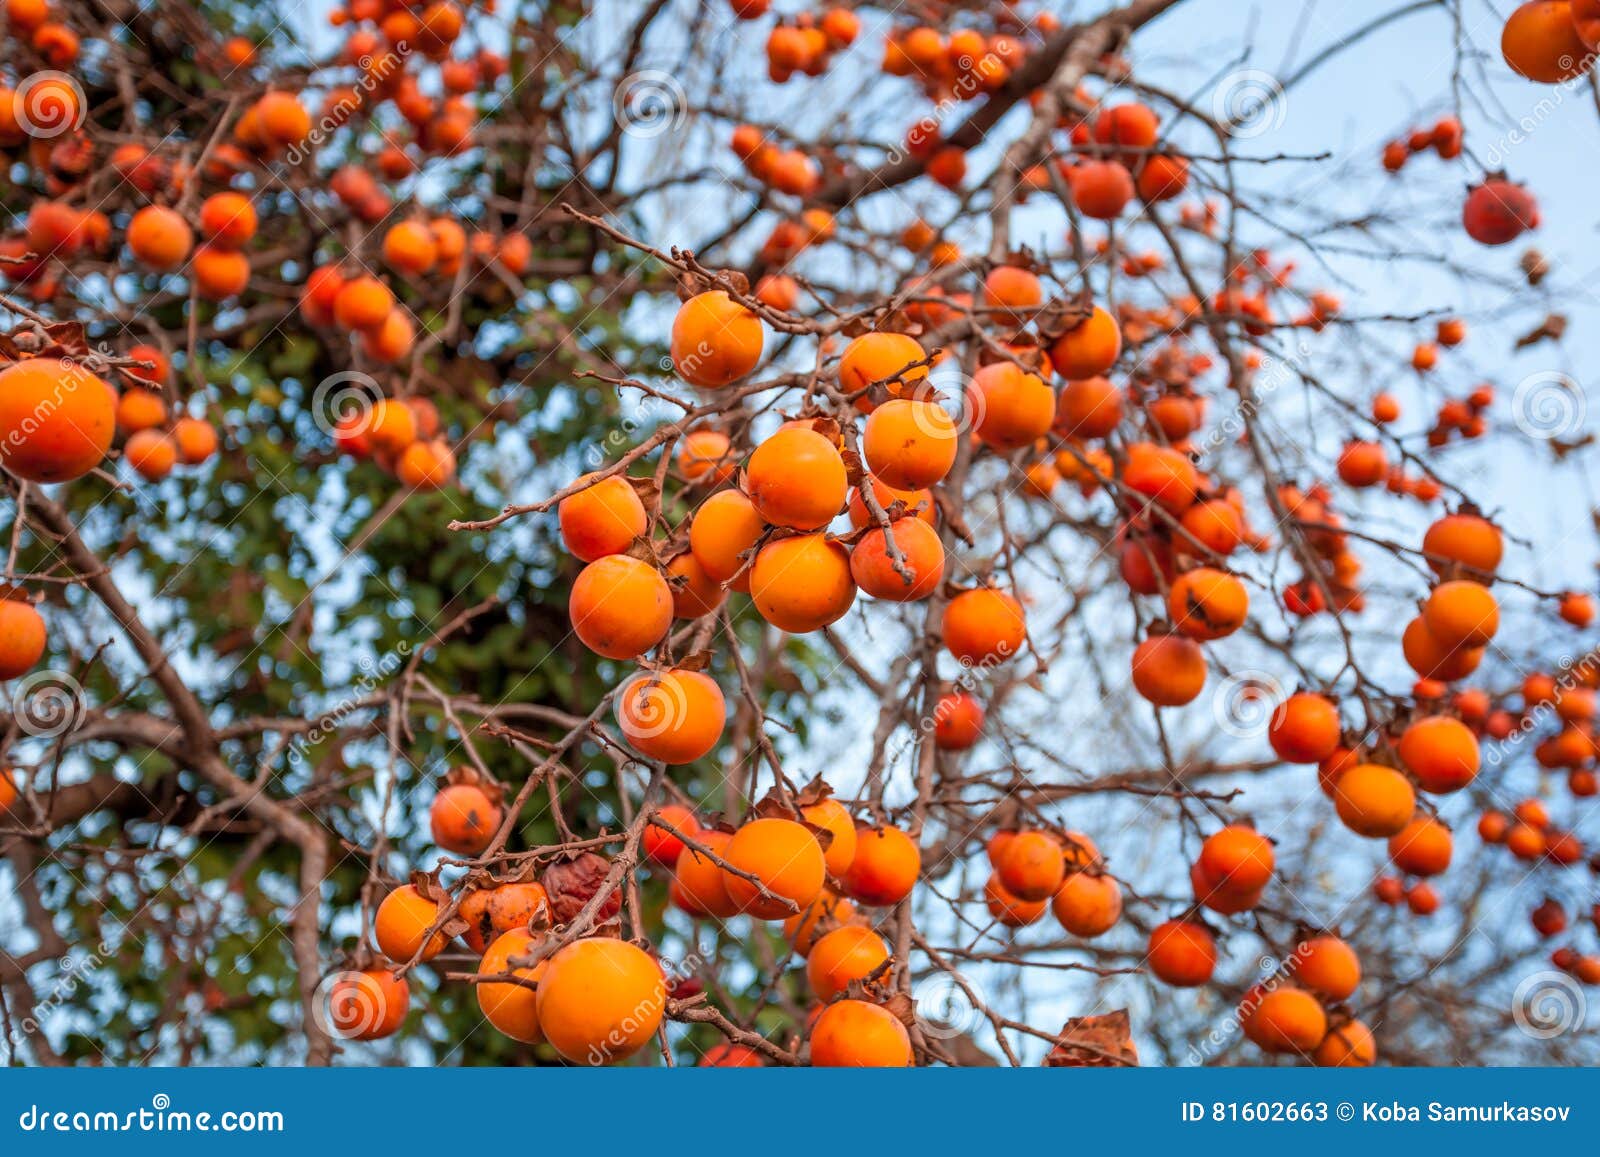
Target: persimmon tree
[733,534]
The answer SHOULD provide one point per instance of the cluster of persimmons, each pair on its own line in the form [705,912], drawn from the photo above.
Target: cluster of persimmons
[847,499]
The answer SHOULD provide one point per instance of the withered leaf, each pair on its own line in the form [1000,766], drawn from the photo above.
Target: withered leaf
[1104,1041]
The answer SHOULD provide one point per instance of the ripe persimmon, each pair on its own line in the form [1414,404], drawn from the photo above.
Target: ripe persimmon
[320,293]
[1216,524]
[1087,408]
[1032,866]
[1431,659]
[922,558]
[1010,407]
[409,248]
[851,952]
[675,716]
[1131,126]
[1162,474]
[223,273]
[1363,464]
[515,905]
[601,519]
[803,583]
[699,885]
[282,118]
[362,303]
[1461,614]
[723,530]
[512,1008]
[1525,841]
[1540,41]
[909,443]
[1237,859]
[1422,848]
[1442,753]
[827,912]
[196,440]
[834,818]
[1586,20]
[600,1000]
[885,867]
[1012,291]
[473,908]
[1169,670]
[368,1005]
[715,340]
[22,637]
[151,454]
[1498,211]
[1465,540]
[1347,1045]
[1286,1020]
[1010,909]
[796,479]
[228,219]
[957,721]
[463,819]
[785,857]
[1087,904]
[855,1034]
[160,238]
[983,626]
[1162,177]
[915,504]
[1182,953]
[1088,349]
[401,925]
[1205,603]
[1101,189]
[661,846]
[1304,728]
[728,1055]
[1374,801]
[620,606]
[896,361]
[140,409]
[426,465]
[1327,966]
[56,419]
